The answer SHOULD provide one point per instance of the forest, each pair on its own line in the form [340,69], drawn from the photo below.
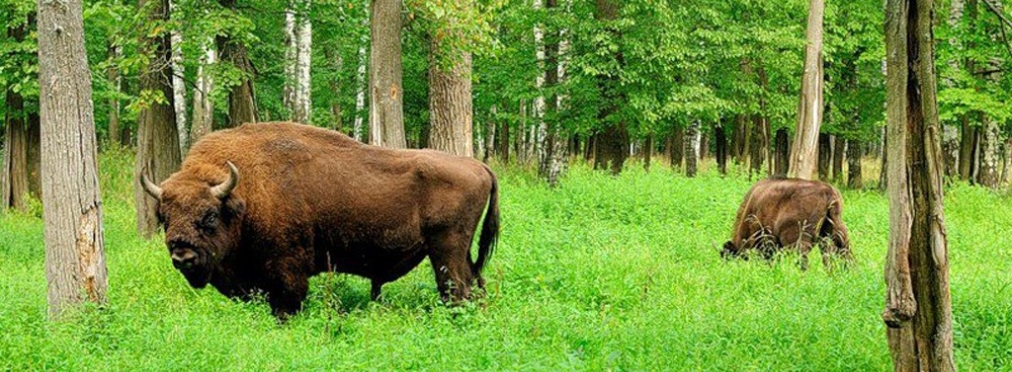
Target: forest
[621,136]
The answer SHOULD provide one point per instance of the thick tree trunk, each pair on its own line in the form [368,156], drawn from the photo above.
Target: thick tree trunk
[179,86]
[854,153]
[721,145]
[678,149]
[203,107]
[990,139]
[450,99]
[883,176]
[825,156]
[782,157]
[740,139]
[158,154]
[241,99]
[805,150]
[72,206]
[838,155]
[968,150]
[918,309]
[303,88]
[115,53]
[386,92]
[691,148]
[15,161]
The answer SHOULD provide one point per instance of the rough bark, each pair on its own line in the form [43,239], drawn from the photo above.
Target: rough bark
[179,86]
[15,160]
[968,150]
[721,137]
[782,155]
[553,142]
[158,152]
[805,149]
[990,132]
[241,99]
[838,154]
[203,107]
[854,153]
[386,93]
[450,99]
[72,206]
[918,308]
[678,148]
[691,148]
[825,156]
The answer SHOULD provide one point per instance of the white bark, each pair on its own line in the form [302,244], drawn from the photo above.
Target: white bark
[179,86]
[540,138]
[203,107]
[291,52]
[360,94]
[303,113]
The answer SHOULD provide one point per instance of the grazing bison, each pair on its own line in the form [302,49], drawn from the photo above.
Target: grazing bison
[263,207]
[789,212]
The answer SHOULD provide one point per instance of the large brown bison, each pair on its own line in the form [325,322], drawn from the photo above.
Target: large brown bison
[263,207]
[778,213]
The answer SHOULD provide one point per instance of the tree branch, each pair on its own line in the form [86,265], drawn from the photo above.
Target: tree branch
[1003,22]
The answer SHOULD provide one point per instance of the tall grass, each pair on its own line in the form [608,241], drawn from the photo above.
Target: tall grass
[604,273]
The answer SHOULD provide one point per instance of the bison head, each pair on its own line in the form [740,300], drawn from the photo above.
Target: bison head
[729,251]
[201,220]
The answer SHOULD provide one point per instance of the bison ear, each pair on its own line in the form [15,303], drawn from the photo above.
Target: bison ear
[234,207]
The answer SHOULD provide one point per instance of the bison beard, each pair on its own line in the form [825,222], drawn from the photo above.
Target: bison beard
[263,207]
[790,212]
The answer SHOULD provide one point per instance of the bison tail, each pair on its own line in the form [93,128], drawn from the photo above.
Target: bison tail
[489,228]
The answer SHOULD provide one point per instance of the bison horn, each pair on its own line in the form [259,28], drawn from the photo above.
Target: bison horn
[223,189]
[151,188]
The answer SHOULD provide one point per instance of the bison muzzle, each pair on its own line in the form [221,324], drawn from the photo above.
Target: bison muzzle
[263,207]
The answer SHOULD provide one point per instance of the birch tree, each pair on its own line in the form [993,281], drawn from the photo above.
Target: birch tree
[179,85]
[72,205]
[918,308]
[203,106]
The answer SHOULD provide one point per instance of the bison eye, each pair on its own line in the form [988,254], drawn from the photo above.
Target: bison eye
[209,220]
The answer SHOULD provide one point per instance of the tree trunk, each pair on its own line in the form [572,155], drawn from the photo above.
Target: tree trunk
[490,127]
[825,156]
[450,98]
[291,50]
[648,152]
[704,143]
[968,150]
[990,139]
[115,53]
[157,140]
[72,206]
[782,157]
[838,155]
[678,150]
[241,99]
[386,98]
[759,147]
[1006,174]
[303,87]
[740,139]
[179,86]
[336,63]
[504,142]
[854,153]
[721,138]
[805,150]
[15,161]
[691,148]
[950,133]
[883,176]
[357,129]
[203,107]
[918,310]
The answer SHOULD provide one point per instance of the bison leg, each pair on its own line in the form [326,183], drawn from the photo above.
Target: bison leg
[452,265]
[800,237]
[289,287]
[377,290]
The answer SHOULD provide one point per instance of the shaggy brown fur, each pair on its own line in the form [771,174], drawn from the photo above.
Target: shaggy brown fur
[309,199]
[789,212]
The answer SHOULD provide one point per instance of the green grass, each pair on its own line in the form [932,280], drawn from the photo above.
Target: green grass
[605,273]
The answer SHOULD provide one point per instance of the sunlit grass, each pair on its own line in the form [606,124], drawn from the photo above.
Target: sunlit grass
[605,273]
